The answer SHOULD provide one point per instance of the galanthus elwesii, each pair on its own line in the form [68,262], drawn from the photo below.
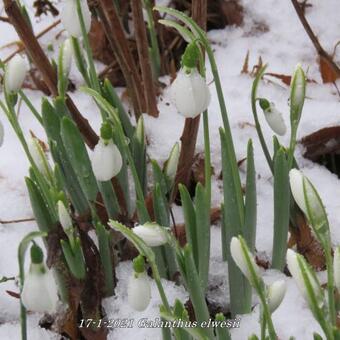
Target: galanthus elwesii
[39,292]
[70,19]
[243,259]
[276,293]
[67,53]
[106,159]
[273,117]
[172,162]
[152,234]
[64,217]
[189,90]
[139,290]
[38,155]
[15,73]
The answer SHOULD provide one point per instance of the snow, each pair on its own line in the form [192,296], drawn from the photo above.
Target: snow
[271,30]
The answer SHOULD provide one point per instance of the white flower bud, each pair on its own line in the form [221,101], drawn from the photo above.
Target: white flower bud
[336,268]
[239,257]
[190,93]
[296,186]
[139,291]
[275,120]
[106,160]
[67,56]
[15,73]
[276,293]
[172,162]
[298,92]
[64,217]
[296,271]
[40,293]
[2,133]
[152,234]
[70,19]
[38,155]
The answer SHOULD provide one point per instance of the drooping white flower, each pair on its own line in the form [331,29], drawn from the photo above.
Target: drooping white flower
[336,268]
[40,293]
[296,186]
[38,155]
[276,293]
[70,19]
[64,217]
[139,291]
[106,160]
[15,73]
[239,256]
[190,93]
[275,120]
[67,56]
[2,133]
[151,233]
[172,163]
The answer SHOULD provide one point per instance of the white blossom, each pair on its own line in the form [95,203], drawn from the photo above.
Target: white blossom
[106,160]
[151,233]
[39,293]
[139,291]
[38,155]
[64,217]
[172,163]
[70,19]
[275,120]
[276,293]
[67,56]
[190,93]
[15,73]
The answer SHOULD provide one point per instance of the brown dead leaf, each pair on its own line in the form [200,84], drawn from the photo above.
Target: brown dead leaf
[245,67]
[328,74]
[283,77]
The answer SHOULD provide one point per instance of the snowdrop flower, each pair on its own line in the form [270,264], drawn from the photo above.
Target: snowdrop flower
[307,198]
[190,93]
[15,73]
[336,268]
[273,117]
[297,95]
[172,162]
[139,290]
[151,233]
[70,19]
[39,293]
[38,155]
[240,253]
[64,217]
[294,263]
[67,54]
[276,293]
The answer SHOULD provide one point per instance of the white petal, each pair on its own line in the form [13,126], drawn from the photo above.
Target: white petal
[276,293]
[152,234]
[275,120]
[106,161]
[171,165]
[33,148]
[294,269]
[296,186]
[15,73]
[64,216]
[139,291]
[40,292]
[190,93]
[67,56]
[70,20]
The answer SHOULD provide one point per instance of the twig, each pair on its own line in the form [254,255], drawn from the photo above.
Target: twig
[322,53]
[144,60]
[4,19]
[189,134]
[20,220]
[43,64]
[39,35]
[119,44]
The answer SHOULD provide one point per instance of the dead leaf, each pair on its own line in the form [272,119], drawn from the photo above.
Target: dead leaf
[328,73]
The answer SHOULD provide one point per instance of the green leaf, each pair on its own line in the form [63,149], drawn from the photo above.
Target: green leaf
[51,120]
[184,32]
[281,210]
[74,258]
[250,200]
[79,158]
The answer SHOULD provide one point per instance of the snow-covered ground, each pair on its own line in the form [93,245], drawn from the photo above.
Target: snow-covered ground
[283,43]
